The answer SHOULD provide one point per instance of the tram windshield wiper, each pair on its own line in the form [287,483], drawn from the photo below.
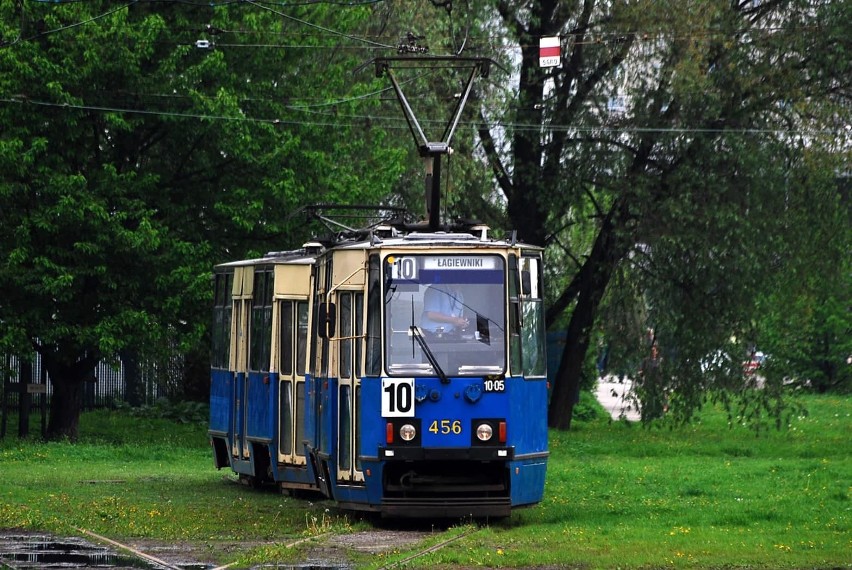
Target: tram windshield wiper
[417,335]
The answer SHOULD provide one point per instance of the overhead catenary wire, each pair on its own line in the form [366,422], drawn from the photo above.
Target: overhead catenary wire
[215,4]
[316,26]
[586,37]
[398,123]
[70,26]
[369,44]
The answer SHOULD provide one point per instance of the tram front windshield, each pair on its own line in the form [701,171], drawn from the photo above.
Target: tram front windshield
[444,313]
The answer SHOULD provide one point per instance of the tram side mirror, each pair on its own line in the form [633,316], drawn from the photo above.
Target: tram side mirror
[526,283]
[483,334]
[327,320]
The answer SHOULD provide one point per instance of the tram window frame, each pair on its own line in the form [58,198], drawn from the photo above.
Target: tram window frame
[285,435]
[532,331]
[313,325]
[222,314]
[375,302]
[260,337]
[515,344]
[286,344]
[474,287]
[345,310]
[320,345]
[344,449]
[300,424]
[359,332]
[286,341]
[303,340]
[325,349]
[302,329]
[358,420]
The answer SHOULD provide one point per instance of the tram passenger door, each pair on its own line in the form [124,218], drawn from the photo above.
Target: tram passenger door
[350,308]
[243,286]
[293,339]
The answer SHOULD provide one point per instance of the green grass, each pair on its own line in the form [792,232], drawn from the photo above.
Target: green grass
[705,496]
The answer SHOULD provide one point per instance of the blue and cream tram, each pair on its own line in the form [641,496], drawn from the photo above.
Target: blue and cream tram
[398,369]
[363,397]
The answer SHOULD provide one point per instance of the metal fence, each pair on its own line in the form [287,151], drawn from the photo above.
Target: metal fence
[109,384]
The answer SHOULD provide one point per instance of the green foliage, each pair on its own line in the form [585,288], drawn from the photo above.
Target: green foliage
[666,164]
[588,409]
[132,161]
[804,323]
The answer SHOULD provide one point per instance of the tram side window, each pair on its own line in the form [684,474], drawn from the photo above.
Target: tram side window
[358,419]
[301,359]
[351,312]
[514,317]
[300,425]
[301,337]
[345,312]
[222,309]
[374,318]
[286,336]
[344,457]
[526,317]
[359,331]
[285,436]
[319,344]
[532,311]
[325,345]
[314,363]
[261,321]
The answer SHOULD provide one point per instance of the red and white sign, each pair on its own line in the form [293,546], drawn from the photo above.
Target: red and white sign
[549,52]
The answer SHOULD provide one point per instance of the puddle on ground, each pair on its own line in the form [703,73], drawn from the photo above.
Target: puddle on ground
[31,551]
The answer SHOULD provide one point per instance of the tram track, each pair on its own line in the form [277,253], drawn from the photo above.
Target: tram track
[430,549]
[325,550]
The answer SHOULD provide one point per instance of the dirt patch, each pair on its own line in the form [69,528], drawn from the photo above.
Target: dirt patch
[331,551]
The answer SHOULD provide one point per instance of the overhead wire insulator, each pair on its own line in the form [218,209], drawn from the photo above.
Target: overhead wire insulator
[411,45]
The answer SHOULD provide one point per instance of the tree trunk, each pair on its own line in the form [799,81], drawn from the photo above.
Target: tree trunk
[67,374]
[65,407]
[591,283]
[134,389]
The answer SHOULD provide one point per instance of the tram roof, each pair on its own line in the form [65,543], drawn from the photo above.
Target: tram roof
[430,239]
[307,254]
[303,256]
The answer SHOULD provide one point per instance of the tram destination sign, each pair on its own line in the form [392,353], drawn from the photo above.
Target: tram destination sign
[460,262]
[409,267]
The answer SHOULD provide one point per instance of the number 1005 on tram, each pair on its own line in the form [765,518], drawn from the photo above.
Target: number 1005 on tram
[403,375]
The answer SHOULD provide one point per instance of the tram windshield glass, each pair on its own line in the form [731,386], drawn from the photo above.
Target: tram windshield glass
[444,314]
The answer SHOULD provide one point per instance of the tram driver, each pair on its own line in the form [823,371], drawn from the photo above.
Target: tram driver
[443,309]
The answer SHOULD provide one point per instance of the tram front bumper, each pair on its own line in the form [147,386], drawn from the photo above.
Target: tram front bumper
[475,507]
[403,453]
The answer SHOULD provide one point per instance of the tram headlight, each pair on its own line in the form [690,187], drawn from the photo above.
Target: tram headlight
[484,432]
[407,432]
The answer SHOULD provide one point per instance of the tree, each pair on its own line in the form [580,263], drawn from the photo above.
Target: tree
[805,324]
[142,144]
[679,125]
